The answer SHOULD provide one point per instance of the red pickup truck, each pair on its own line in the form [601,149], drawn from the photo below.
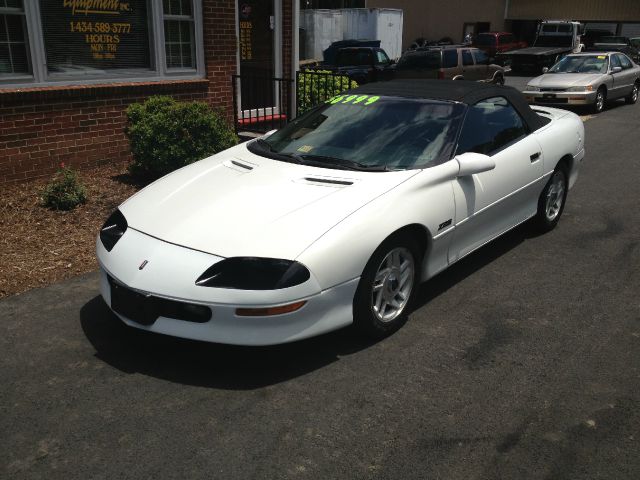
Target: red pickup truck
[497,42]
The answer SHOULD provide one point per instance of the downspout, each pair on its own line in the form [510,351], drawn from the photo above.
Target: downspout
[295,52]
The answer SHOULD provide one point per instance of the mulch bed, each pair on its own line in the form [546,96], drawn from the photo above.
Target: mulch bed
[39,246]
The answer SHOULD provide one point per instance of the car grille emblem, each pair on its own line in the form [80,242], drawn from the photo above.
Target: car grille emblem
[143,264]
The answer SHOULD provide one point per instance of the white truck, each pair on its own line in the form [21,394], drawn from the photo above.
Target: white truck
[554,39]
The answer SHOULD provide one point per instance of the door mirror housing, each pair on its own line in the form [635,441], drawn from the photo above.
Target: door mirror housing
[471,163]
[616,69]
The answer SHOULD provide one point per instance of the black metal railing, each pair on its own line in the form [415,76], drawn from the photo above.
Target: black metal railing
[260,103]
[316,86]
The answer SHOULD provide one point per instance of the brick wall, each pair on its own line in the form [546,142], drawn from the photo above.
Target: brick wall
[84,125]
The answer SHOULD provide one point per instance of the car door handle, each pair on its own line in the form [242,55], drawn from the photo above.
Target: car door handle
[534,157]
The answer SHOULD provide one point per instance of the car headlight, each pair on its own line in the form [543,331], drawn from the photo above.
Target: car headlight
[588,88]
[531,88]
[113,229]
[253,273]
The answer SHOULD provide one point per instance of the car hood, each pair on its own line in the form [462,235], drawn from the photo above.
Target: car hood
[240,204]
[565,80]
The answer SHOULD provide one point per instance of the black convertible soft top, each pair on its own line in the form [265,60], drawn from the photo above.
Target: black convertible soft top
[454,90]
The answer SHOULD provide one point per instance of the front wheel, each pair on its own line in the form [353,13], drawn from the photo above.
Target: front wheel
[633,96]
[386,288]
[552,200]
[599,103]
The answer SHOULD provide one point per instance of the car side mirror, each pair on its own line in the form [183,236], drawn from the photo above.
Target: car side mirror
[545,69]
[471,163]
[616,69]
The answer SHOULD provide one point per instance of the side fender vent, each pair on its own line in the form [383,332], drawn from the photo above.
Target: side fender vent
[328,181]
[238,165]
[242,165]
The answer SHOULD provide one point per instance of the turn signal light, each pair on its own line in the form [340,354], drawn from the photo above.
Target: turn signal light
[269,311]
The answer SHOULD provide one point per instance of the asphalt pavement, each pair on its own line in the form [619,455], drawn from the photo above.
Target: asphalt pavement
[520,362]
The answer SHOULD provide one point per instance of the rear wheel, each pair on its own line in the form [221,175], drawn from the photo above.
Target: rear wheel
[633,96]
[600,101]
[499,79]
[386,287]
[552,200]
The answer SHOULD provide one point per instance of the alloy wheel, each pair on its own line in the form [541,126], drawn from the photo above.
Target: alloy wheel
[392,284]
[555,196]
[599,101]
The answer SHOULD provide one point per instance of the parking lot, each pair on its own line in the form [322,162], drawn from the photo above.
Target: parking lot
[520,362]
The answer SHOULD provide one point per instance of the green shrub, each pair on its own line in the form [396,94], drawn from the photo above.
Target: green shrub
[315,89]
[65,191]
[166,135]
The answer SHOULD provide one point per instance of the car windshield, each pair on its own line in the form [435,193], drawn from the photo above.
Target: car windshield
[581,64]
[365,132]
[485,40]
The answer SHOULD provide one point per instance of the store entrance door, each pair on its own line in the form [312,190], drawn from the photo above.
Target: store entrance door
[256,31]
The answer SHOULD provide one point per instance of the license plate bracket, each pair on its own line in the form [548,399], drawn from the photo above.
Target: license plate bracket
[134,306]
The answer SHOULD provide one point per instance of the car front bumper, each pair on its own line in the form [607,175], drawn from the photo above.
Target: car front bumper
[169,278]
[560,98]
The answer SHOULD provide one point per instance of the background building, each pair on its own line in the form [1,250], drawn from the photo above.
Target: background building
[70,68]
[617,17]
[435,19]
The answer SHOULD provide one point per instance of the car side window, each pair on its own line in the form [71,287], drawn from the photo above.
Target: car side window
[624,61]
[467,58]
[615,61]
[449,58]
[490,126]
[507,39]
[481,57]
[381,57]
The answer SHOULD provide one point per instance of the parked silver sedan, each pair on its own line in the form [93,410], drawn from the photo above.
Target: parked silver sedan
[587,79]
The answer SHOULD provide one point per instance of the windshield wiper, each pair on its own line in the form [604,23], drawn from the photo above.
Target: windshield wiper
[342,163]
[319,160]
[287,157]
[264,144]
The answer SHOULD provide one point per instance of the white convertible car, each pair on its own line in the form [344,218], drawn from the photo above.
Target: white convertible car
[335,219]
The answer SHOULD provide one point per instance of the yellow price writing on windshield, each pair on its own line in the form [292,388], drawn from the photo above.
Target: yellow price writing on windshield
[353,99]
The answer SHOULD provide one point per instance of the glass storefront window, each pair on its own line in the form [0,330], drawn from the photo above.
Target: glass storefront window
[178,34]
[14,59]
[89,41]
[82,38]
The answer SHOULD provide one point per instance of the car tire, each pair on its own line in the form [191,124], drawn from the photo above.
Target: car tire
[552,200]
[600,101]
[633,96]
[387,287]
[499,79]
